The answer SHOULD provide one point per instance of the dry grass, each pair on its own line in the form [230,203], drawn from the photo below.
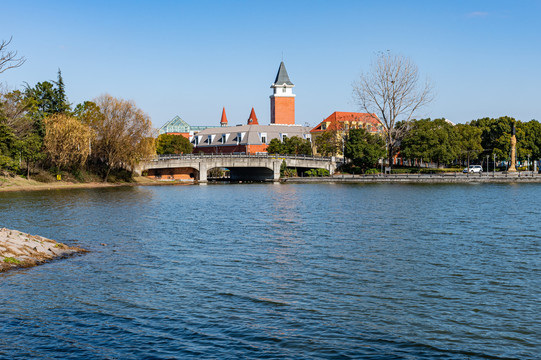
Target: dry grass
[18,183]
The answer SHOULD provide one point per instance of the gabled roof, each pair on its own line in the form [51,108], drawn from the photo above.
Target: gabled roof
[252,120]
[337,120]
[282,77]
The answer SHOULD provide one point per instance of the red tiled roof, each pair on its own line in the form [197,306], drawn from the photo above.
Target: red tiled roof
[338,118]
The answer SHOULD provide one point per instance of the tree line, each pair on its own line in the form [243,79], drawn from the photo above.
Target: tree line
[437,141]
[40,130]
[440,142]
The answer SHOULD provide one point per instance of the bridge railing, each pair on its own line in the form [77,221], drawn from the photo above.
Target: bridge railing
[239,155]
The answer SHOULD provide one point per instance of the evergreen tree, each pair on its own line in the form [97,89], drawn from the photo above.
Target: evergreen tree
[44,99]
[61,104]
[173,144]
[364,149]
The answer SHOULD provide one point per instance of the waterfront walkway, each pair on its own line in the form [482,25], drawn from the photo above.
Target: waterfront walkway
[498,177]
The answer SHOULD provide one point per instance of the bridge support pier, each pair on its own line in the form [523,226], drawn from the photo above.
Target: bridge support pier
[276,169]
[202,172]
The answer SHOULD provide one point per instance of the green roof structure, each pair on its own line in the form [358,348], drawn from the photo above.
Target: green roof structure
[177,125]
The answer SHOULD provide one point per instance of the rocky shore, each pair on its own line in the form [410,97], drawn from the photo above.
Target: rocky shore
[448,178]
[18,250]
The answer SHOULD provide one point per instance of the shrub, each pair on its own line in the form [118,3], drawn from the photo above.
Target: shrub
[11,260]
[44,177]
[371,171]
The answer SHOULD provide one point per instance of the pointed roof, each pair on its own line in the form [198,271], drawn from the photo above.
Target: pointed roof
[252,120]
[224,118]
[282,77]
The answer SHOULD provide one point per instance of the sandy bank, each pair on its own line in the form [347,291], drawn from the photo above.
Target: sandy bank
[18,249]
[19,184]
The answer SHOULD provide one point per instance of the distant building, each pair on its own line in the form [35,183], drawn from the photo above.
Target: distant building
[282,99]
[341,122]
[251,138]
[254,138]
[177,126]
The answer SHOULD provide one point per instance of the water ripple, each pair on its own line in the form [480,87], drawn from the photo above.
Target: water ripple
[274,271]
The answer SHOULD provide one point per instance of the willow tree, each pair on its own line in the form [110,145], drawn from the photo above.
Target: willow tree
[66,141]
[124,134]
[392,90]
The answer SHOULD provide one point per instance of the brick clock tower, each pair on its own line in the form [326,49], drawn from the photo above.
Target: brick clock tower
[282,99]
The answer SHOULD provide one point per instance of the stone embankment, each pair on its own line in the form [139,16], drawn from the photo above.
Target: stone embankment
[18,249]
[448,178]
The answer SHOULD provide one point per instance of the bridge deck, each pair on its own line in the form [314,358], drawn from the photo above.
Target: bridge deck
[251,167]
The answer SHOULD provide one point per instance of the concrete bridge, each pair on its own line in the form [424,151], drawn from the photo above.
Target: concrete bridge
[262,167]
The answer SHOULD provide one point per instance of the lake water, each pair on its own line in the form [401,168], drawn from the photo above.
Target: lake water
[381,271]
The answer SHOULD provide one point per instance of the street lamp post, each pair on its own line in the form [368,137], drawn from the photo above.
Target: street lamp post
[528,162]
[494,156]
[487,165]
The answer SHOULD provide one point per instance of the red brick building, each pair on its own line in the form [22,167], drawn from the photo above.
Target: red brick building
[341,122]
[254,138]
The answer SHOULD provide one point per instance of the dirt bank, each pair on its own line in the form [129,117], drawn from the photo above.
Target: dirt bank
[18,249]
[20,184]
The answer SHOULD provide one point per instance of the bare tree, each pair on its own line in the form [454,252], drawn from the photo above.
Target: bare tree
[9,59]
[15,110]
[392,91]
[124,133]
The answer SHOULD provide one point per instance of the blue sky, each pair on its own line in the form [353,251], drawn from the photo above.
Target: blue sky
[191,58]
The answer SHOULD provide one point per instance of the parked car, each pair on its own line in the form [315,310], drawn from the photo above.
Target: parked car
[473,169]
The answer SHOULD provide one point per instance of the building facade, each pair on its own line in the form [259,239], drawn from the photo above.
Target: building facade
[253,138]
[339,123]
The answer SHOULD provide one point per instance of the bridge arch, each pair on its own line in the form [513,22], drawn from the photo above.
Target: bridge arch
[262,167]
[174,173]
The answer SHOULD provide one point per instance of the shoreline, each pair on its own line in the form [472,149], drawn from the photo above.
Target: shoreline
[21,250]
[20,184]
[452,178]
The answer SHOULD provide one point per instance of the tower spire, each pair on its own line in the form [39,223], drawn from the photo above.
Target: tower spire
[282,99]
[252,120]
[223,121]
[282,77]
